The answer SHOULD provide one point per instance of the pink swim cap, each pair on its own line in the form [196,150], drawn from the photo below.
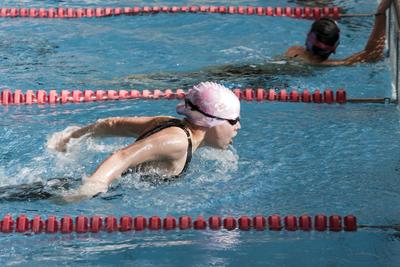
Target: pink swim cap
[209,99]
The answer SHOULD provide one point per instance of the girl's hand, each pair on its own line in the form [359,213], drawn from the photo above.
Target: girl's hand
[59,141]
[87,190]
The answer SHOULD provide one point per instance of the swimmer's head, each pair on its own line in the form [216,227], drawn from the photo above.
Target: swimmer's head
[210,104]
[323,38]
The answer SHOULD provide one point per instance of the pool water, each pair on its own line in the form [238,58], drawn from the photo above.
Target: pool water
[286,159]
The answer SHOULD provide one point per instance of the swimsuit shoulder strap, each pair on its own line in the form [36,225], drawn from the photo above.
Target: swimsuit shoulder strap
[168,124]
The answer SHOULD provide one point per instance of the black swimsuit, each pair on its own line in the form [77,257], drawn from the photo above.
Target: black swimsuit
[164,125]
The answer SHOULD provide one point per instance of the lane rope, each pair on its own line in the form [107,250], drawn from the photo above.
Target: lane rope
[94,224]
[99,12]
[53,97]
[83,224]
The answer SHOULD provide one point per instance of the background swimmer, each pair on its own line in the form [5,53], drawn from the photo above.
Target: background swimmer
[322,41]
[165,143]
[324,37]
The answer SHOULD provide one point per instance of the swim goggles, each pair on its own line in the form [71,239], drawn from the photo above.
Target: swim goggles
[313,41]
[196,108]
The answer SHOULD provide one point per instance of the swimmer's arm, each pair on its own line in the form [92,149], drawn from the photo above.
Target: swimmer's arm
[376,42]
[375,46]
[165,145]
[124,126]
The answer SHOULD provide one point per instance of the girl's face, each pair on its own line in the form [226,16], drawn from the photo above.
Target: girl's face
[221,136]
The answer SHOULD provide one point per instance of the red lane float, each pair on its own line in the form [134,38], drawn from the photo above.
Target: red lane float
[41,97]
[110,224]
[271,95]
[140,223]
[51,225]
[96,223]
[6,97]
[259,223]
[291,223]
[66,225]
[274,222]
[214,222]
[320,223]
[154,223]
[200,223]
[260,94]
[36,224]
[70,12]
[294,96]
[126,223]
[335,223]
[283,96]
[22,224]
[244,223]
[185,222]
[305,223]
[317,96]
[82,224]
[229,223]
[169,223]
[7,224]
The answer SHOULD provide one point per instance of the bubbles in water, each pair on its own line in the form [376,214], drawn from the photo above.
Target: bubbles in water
[25,174]
[226,160]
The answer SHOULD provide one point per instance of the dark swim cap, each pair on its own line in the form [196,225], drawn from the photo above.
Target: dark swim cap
[323,38]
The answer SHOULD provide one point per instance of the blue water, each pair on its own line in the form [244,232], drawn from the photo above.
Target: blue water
[287,158]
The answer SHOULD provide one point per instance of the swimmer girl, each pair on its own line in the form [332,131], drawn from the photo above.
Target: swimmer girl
[324,37]
[321,41]
[212,118]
